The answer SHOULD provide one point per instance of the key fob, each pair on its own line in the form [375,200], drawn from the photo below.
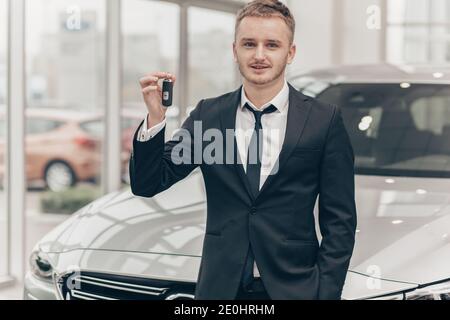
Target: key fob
[167,92]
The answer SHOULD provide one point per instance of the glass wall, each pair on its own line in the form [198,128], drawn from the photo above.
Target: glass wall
[3,97]
[418,31]
[150,42]
[211,66]
[65,80]
[65,59]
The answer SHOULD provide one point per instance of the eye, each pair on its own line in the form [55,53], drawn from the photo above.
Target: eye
[273,45]
[248,44]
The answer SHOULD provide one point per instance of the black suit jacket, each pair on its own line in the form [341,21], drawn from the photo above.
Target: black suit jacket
[316,160]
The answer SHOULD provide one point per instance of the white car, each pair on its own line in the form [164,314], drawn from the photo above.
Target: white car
[127,247]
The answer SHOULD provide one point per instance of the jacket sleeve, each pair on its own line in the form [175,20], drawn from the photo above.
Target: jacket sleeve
[337,209]
[146,133]
[155,166]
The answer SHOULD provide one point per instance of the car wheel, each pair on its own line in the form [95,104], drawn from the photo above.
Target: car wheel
[59,176]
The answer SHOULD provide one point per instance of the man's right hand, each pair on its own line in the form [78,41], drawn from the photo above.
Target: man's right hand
[152,93]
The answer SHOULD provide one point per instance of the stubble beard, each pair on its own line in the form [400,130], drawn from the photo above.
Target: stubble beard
[255,80]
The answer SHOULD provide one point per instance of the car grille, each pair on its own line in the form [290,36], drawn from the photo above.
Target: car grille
[99,286]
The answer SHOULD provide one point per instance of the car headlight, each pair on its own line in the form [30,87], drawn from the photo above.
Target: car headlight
[40,265]
[439,291]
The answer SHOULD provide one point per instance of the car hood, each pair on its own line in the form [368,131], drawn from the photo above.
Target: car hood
[402,236]
[184,268]
[172,222]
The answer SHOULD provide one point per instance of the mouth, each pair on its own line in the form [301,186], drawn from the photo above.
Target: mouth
[259,67]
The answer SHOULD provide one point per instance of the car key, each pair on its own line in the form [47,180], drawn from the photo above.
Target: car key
[167,92]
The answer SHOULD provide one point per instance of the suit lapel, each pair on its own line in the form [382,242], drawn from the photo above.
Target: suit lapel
[297,116]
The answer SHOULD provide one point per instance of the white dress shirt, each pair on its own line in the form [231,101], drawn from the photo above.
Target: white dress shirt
[274,129]
[147,133]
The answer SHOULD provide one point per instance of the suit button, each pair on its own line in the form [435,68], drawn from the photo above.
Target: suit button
[253,210]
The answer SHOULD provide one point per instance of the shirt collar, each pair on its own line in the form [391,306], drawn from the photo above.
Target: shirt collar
[280,101]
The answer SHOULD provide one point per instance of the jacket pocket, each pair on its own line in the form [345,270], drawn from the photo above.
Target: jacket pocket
[301,241]
[213,234]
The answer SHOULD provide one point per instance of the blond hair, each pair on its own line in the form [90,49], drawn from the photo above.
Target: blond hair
[267,8]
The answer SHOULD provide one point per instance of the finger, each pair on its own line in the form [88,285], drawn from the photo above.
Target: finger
[171,77]
[148,80]
[166,75]
[149,77]
[159,75]
[151,89]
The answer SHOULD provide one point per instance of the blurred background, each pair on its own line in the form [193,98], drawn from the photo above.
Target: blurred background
[70,99]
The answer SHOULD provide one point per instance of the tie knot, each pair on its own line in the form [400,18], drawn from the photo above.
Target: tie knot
[258,114]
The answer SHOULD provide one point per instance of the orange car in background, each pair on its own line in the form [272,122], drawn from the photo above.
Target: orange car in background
[63,147]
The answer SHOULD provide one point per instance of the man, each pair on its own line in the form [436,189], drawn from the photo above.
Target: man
[260,239]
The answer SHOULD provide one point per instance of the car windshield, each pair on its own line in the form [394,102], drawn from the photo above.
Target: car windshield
[399,129]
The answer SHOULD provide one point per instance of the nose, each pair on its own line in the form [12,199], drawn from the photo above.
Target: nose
[260,54]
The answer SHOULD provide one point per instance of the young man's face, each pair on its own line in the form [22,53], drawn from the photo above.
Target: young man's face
[262,49]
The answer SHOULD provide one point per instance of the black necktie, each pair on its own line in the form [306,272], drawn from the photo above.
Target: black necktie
[254,153]
[254,156]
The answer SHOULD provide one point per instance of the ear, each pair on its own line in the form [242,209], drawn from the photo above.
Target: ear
[292,52]
[234,51]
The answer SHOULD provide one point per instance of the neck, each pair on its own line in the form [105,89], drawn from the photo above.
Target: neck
[261,94]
